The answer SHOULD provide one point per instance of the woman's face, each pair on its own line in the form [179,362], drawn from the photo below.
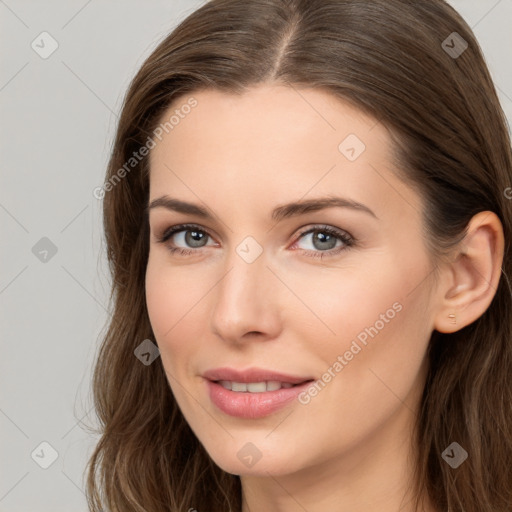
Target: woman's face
[264,286]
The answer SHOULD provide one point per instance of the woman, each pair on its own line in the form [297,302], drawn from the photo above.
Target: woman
[308,227]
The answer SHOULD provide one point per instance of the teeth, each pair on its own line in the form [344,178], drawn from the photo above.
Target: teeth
[254,387]
[273,385]
[238,386]
[257,387]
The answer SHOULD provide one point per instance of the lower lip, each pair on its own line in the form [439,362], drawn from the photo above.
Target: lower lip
[252,405]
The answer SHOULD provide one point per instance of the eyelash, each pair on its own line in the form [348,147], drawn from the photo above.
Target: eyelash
[347,239]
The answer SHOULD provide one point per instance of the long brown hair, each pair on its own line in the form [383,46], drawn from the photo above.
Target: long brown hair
[400,61]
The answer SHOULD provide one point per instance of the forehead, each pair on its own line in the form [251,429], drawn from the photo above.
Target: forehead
[274,143]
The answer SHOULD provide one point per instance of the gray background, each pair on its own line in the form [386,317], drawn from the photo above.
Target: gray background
[58,117]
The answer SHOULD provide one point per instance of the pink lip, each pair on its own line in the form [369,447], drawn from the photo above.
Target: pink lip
[251,375]
[252,405]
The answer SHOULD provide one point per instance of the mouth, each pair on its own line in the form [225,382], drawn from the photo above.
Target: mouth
[257,387]
[255,377]
[253,393]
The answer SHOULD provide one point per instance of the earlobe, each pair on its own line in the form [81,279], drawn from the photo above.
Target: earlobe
[474,273]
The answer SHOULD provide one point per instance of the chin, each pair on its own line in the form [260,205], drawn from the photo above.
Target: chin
[238,462]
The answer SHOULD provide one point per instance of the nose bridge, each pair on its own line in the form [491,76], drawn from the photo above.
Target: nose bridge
[242,300]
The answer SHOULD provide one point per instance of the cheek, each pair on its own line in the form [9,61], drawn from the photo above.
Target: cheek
[374,319]
[173,298]
[376,357]
[161,299]
[342,302]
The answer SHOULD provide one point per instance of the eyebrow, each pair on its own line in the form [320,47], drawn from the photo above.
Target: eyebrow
[279,213]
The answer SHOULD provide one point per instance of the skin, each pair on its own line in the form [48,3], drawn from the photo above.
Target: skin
[350,448]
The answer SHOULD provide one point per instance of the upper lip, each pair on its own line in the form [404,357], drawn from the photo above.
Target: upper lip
[251,375]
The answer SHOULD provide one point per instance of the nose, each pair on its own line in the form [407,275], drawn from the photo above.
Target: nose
[246,302]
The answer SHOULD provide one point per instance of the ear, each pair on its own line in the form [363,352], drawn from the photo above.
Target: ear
[469,282]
